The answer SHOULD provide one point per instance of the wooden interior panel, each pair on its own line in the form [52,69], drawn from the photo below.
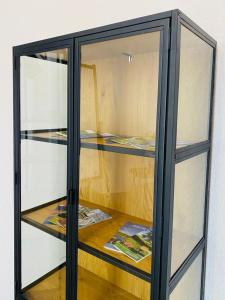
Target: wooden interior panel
[90,287]
[120,97]
[130,283]
[117,181]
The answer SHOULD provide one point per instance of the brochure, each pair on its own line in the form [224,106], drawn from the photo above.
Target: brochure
[86,216]
[133,240]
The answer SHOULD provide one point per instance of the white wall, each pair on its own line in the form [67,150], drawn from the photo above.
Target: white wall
[24,21]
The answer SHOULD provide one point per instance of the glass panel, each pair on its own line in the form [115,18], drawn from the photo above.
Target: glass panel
[97,278]
[43,174]
[189,204]
[189,286]
[194,88]
[121,186]
[119,87]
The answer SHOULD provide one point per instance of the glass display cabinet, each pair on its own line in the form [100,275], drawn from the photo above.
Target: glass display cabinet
[112,139]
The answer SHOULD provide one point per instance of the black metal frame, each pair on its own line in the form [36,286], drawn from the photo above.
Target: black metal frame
[174,156]
[166,154]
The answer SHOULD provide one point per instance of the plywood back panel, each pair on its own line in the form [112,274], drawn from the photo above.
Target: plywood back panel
[119,97]
[118,181]
[126,99]
[116,276]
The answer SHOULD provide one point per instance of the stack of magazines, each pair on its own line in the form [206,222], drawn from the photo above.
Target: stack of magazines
[86,216]
[133,240]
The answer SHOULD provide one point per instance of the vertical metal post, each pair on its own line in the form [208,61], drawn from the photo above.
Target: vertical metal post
[208,175]
[159,159]
[17,185]
[169,165]
[72,178]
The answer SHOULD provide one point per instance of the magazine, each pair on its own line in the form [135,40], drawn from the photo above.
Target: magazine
[136,142]
[133,240]
[89,216]
[142,143]
[86,134]
[86,216]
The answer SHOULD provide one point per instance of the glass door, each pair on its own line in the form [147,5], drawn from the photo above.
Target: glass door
[44,96]
[119,90]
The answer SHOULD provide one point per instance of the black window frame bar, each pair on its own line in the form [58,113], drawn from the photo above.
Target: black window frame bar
[174,156]
[17,53]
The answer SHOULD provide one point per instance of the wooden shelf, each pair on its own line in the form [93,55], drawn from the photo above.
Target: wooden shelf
[93,238]
[92,143]
[90,287]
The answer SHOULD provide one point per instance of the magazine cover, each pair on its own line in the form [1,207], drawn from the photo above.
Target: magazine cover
[133,240]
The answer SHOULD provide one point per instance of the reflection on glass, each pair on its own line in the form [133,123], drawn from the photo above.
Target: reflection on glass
[189,286]
[43,173]
[44,91]
[194,88]
[97,278]
[189,204]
